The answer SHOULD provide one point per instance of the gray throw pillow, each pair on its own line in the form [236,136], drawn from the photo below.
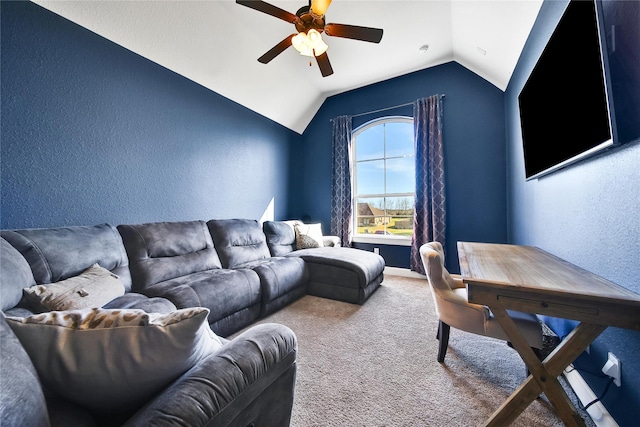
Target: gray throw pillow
[94,287]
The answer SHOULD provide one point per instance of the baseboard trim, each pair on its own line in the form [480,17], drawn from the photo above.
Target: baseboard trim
[598,413]
[403,272]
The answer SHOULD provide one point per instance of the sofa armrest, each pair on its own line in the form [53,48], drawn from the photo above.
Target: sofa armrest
[331,241]
[249,380]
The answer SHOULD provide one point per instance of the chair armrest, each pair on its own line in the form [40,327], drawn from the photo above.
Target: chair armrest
[457,282]
[250,379]
[331,241]
[454,310]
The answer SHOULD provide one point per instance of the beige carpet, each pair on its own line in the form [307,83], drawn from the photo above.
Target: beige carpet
[375,365]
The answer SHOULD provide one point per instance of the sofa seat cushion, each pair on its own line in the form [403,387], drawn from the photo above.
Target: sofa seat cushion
[345,274]
[134,300]
[133,354]
[366,266]
[279,275]
[18,311]
[223,292]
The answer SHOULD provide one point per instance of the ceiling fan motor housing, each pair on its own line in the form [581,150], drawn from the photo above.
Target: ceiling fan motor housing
[307,20]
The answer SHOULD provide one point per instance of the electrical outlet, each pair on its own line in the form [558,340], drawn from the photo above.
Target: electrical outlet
[376,251]
[613,369]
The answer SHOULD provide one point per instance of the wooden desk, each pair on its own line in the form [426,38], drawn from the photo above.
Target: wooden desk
[525,278]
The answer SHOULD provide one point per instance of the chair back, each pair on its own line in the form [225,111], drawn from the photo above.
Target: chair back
[432,255]
[449,295]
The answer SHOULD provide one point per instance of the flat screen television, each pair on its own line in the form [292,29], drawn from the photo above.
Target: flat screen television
[564,105]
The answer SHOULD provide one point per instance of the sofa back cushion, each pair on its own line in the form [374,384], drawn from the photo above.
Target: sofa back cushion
[238,241]
[15,275]
[166,250]
[55,254]
[280,235]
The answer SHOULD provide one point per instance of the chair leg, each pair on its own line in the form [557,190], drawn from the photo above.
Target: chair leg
[443,337]
[538,353]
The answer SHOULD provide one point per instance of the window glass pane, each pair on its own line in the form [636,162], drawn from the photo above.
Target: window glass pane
[370,143]
[399,139]
[400,213]
[370,177]
[369,211]
[401,177]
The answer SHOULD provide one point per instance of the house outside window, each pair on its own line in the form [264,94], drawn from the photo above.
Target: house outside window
[384,181]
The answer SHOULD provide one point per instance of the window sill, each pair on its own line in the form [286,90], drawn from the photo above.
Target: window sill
[383,240]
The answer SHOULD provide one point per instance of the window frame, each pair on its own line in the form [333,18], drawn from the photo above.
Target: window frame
[377,238]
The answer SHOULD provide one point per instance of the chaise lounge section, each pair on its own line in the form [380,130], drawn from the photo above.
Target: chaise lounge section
[343,274]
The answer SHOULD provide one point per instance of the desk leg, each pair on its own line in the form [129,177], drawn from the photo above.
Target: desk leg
[544,375]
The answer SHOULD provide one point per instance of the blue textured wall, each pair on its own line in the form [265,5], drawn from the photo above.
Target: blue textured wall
[93,133]
[474,151]
[587,214]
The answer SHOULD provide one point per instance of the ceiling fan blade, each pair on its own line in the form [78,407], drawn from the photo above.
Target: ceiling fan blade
[276,50]
[366,34]
[269,9]
[320,7]
[324,64]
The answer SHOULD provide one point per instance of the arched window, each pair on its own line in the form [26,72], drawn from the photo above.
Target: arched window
[384,179]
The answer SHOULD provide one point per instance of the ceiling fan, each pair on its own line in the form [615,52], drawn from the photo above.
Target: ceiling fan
[310,23]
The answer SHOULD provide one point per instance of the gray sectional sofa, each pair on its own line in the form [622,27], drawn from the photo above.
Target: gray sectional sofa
[234,268]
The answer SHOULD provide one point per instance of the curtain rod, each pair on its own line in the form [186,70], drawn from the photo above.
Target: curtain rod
[382,109]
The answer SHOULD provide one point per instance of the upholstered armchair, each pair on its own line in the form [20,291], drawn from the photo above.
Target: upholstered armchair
[453,309]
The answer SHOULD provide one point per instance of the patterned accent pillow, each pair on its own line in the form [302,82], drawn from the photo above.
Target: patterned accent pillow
[94,287]
[308,236]
[114,360]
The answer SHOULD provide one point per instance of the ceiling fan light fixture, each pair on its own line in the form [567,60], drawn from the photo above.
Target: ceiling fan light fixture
[319,7]
[309,22]
[310,43]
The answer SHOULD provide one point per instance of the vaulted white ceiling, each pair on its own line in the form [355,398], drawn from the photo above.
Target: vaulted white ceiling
[217,43]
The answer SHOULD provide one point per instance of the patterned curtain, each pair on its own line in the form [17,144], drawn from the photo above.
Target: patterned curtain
[429,222]
[341,203]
